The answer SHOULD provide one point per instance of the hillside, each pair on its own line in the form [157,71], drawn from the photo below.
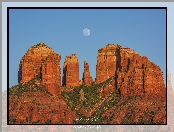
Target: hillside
[128,89]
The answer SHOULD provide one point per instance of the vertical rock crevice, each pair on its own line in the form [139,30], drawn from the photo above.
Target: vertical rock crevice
[64,76]
[118,69]
[20,73]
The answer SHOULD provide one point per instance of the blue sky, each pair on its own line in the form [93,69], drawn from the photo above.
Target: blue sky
[141,30]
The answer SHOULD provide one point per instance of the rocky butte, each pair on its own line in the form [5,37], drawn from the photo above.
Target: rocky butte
[128,89]
[41,60]
[134,75]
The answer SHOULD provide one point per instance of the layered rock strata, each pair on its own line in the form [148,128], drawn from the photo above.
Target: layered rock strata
[41,60]
[71,71]
[51,73]
[134,75]
[31,62]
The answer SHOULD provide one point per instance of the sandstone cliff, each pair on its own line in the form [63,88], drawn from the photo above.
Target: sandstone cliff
[70,71]
[134,75]
[31,62]
[106,62]
[129,89]
[50,70]
[43,61]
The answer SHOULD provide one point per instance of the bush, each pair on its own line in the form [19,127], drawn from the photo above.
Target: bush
[92,97]
[12,120]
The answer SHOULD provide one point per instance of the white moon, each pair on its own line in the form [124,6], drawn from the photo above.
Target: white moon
[86,32]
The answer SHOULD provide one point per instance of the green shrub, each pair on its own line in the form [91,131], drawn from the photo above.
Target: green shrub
[12,120]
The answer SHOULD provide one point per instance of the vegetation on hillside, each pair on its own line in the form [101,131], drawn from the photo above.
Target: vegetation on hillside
[94,103]
[30,86]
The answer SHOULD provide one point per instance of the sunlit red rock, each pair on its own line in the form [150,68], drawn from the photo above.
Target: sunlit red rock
[51,73]
[132,75]
[71,71]
[31,62]
[106,63]
[87,79]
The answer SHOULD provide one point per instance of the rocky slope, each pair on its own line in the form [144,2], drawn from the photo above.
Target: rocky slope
[137,128]
[128,89]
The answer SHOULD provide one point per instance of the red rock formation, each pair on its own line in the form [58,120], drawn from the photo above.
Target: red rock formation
[134,75]
[80,82]
[87,79]
[31,62]
[41,57]
[138,76]
[51,73]
[40,107]
[129,74]
[106,63]
[71,71]
[26,67]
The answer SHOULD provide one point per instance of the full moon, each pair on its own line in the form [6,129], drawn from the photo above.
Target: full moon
[86,32]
